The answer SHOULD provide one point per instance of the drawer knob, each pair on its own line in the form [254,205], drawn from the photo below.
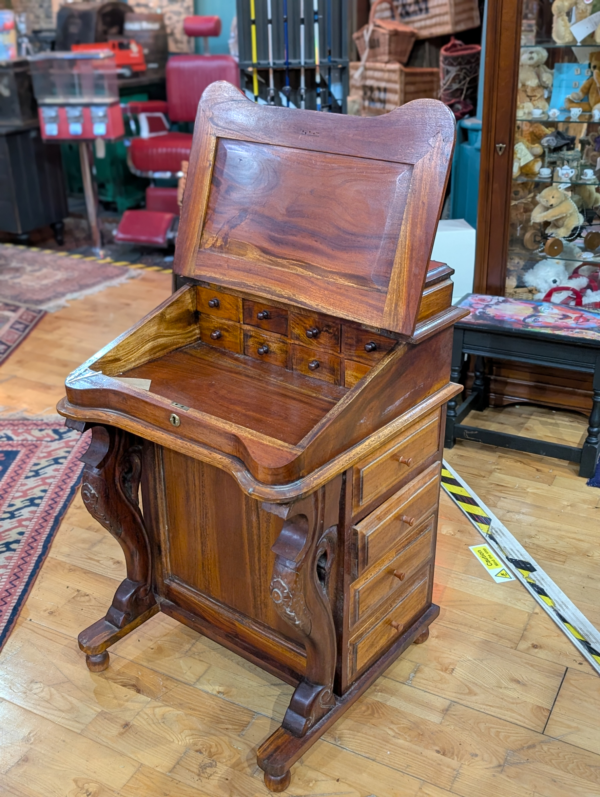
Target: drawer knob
[396,626]
[371,346]
[263,349]
[313,332]
[402,460]
[263,315]
[216,334]
[410,521]
[399,575]
[214,303]
[313,365]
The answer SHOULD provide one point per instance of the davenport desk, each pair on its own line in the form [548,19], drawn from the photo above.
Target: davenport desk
[276,488]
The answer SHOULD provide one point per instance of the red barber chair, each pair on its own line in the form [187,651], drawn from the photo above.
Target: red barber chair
[159,151]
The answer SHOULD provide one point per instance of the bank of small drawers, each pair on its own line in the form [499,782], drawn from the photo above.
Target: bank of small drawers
[395,549]
[310,343]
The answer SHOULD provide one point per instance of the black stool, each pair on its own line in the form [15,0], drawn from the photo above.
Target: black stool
[539,333]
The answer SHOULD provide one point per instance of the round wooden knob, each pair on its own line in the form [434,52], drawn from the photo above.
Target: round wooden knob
[401,460]
[553,247]
[396,626]
[263,349]
[263,315]
[410,521]
[214,303]
[592,241]
[371,346]
[216,334]
[313,332]
[313,365]
[399,575]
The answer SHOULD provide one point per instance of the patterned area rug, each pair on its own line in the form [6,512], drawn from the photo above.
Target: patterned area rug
[39,474]
[15,324]
[46,280]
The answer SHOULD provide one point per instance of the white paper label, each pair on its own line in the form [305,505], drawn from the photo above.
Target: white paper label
[99,129]
[582,29]
[75,128]
[51,129]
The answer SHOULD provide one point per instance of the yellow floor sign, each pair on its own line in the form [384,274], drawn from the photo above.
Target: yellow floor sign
[493,565]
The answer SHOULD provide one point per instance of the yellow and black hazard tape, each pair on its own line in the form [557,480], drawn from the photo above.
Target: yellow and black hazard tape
[105,260]
[552,599]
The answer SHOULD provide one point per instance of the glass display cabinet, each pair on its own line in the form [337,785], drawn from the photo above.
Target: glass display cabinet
[539,200]
[548,162]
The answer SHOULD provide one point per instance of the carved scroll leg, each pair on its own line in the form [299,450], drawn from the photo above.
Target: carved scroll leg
[110,489]
[305,552]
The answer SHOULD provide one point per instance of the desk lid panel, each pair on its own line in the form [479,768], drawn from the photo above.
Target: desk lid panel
[336,214]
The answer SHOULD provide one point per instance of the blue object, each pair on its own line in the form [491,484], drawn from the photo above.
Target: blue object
[567,79]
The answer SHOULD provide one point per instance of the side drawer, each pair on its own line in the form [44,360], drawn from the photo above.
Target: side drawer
[319,364]
[218,304]
[316,331]
[265,316]
[363,346]
[378,473]
[391,579]
[221,333]
[396,522]
[369,645]
[267,348]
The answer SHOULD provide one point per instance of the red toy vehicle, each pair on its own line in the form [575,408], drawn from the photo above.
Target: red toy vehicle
[129,56]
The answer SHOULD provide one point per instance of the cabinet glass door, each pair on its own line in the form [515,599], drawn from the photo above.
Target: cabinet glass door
[555,202]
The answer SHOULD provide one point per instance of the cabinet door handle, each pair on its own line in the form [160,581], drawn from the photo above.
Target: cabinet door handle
[500,148]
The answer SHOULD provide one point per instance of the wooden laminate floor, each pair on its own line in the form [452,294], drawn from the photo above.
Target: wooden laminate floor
[496,703]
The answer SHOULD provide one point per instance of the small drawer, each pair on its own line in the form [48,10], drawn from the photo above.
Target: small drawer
[378,473]
[266,348]
[316,331]
[369,645]
[392,578]
[319,364]
[265,316]
[220,333]
[395,523]
[354,372]
[218,304]
[363,346]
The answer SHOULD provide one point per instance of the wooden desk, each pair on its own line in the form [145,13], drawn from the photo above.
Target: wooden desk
[276,487]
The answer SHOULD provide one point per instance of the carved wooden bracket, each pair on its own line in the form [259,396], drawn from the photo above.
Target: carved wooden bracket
[305,551]
[110,492]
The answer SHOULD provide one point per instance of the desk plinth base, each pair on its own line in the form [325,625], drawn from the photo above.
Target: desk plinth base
[282,749]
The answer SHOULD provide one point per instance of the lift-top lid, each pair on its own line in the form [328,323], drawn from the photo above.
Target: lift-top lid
[333,213]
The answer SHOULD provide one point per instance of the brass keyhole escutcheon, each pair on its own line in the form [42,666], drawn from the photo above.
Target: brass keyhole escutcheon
[175,420]
[500,148]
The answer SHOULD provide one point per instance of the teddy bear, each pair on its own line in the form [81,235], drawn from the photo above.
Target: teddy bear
[557,207]
[589,89]
[535,79]
[561,26]
[590,197]
[552,273]
[528,148]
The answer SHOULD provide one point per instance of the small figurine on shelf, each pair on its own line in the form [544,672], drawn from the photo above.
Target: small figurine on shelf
[590,89]
[561,24]
[552,273]
[556,206]
[535,81]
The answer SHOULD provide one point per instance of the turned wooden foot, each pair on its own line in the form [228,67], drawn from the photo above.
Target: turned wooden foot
[423,637]
[98,662]
[278,784]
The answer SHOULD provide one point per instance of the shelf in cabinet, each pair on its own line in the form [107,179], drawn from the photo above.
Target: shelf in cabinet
[584,119]
[540,180]
[552,45]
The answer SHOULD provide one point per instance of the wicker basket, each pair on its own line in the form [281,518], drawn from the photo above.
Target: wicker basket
[379,88]
[384,40]
[434,17]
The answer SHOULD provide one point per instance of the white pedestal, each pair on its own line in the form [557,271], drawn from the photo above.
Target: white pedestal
[455,245]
